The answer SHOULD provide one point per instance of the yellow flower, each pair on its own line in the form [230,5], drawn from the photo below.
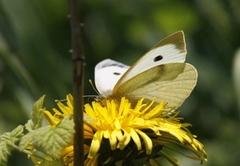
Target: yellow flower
[68,154]
[115,132]
[148,128]
[53,120]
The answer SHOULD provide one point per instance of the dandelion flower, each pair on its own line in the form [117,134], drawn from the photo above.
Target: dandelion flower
[123,133]
[115,133]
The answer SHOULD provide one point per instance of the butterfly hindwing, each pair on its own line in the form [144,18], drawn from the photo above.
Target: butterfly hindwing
[171,82]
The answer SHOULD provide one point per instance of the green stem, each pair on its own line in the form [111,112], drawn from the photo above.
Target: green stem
[28,152]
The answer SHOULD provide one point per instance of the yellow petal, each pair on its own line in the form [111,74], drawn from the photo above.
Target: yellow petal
[95,145]
[113,141]
[147,141]
[136,138]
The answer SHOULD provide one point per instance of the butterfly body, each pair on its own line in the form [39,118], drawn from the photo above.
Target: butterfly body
[160,74]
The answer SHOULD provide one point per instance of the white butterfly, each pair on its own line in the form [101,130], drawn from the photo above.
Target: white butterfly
[161,74]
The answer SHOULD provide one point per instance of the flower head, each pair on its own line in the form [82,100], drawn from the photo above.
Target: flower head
[143,130]
[117,133]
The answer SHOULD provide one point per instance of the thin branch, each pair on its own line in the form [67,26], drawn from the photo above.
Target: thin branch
[28,152]
[78,63]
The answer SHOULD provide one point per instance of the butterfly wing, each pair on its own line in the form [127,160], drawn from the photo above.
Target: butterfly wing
[169,50]
[171,82]
[107,73]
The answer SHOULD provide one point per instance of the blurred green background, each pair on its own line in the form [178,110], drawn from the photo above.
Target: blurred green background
[35,59]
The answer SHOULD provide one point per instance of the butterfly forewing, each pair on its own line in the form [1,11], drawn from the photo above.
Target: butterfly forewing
[171,82]
[107,73]
[169,50]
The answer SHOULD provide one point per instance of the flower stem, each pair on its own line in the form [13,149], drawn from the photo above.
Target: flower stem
[28,152]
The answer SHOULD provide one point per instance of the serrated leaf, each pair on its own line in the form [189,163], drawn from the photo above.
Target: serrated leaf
[5,150]
[6,140]
[26,139]
[17,133]
[51,140]
[37,115]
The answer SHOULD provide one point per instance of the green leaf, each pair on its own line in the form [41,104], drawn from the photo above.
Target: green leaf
[5,150]
[49,140]
[17,133]
[37,115]
[26,140]
[7,141]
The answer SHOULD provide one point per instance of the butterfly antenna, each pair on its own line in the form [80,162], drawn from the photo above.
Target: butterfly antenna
[92,96]
[94,88]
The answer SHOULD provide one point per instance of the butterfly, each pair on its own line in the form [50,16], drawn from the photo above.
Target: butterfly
[160,74]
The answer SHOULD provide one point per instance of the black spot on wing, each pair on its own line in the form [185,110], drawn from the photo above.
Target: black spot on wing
[116,73]
[158,58]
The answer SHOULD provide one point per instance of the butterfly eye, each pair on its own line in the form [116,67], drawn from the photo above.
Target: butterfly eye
[158,58]
[116,73]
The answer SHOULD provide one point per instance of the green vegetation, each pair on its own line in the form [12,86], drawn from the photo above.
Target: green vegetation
[35,59]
